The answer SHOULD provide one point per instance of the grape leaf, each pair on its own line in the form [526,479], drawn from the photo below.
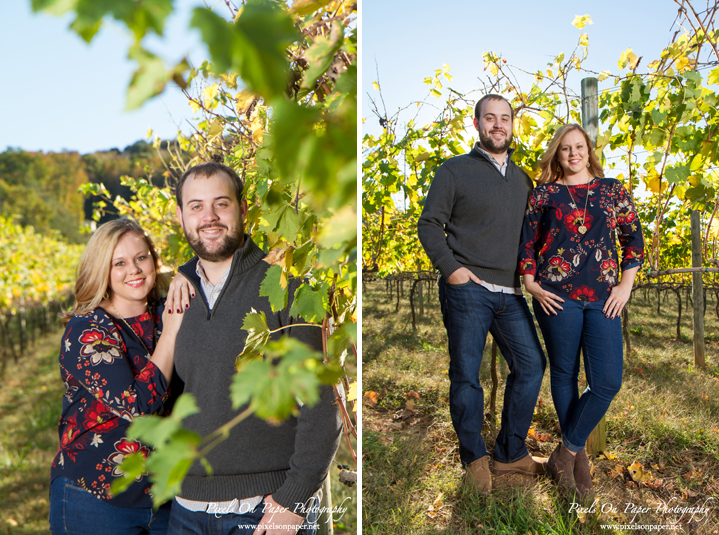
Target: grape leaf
[272,288]
[310,305]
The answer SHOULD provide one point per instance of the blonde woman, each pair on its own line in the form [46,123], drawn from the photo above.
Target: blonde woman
[569,263]
[115,366]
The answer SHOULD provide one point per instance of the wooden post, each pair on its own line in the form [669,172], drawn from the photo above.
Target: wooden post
[697,292]
[495,386]
[324,521]
[597,441]
[590,108]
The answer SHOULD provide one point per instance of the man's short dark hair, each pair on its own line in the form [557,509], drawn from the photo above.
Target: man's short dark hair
[478,105]
[207,170]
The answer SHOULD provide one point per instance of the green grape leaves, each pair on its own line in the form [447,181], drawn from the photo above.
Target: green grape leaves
[273,288]
[289,372]
[309,304]
[321,55]
[175,449]
[150,77]
[254,46]
[140,16]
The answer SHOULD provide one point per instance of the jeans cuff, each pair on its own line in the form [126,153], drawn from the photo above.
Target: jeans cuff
[571,447]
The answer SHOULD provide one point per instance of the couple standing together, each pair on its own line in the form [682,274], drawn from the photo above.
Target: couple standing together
[484,225]
[125,353]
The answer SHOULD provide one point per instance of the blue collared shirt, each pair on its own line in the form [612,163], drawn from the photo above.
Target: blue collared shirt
[211,291]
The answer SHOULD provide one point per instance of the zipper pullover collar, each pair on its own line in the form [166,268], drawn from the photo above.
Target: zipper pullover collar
[479,152]
[243,260]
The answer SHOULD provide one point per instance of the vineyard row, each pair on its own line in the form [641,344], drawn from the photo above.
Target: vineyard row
[422,286]
[21,328]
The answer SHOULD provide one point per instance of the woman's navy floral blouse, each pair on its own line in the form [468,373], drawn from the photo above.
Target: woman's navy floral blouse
[109,380]
[574,265]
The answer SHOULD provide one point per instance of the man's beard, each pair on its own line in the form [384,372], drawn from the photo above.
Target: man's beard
[493,147]
[230,243]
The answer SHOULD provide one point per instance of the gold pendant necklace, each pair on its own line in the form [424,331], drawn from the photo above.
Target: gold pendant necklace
[582,227]
[149,355]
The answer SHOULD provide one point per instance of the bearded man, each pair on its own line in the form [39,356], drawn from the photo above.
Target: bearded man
[265,477]
[470,228]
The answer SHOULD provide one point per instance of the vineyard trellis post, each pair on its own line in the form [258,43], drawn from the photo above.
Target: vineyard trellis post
[325,524]
[697,291]
[597,440]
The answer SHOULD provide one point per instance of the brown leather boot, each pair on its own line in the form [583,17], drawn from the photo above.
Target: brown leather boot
[478,475]
[531,466]
[583,476]
[561,468]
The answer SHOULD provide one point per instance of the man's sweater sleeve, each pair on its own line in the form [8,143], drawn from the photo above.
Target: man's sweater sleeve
[317,438]
[435,215]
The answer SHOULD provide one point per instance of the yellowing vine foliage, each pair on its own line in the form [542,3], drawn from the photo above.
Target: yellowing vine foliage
[657,133]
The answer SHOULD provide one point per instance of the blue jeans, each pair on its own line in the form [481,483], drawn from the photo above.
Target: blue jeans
[74,511]
[186,522]
[582,326]
[469,312]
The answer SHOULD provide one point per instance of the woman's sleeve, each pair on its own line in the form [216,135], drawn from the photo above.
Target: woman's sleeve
[93,356]
[530,237]
[629,230]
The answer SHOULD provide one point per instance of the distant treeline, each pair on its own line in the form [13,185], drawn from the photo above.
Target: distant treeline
[41,189]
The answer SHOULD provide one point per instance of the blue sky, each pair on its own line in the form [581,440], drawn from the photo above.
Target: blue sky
[406,40]
[60,93]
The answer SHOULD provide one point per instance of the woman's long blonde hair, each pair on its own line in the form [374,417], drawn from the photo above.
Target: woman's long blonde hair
[551,170]
[93,269]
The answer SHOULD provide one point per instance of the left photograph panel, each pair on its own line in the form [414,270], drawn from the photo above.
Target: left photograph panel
[178,267]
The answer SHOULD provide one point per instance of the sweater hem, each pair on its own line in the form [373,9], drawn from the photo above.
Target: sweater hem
[494,276]
[222,488]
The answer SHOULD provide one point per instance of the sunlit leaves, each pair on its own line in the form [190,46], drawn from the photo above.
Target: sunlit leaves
[305,7]
[289,372]
[321,55]
[310,304]
[258,334]
[341,228]
[274,287]
[175,449]
[150,77]
[713,76]
[36,268]
[628,58]
[279,102]
[253,46]
[580,21]
[139,16]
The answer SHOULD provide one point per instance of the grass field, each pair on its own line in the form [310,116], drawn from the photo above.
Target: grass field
[662,434]
[30,403]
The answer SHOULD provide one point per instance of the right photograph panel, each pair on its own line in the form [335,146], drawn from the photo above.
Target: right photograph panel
[540,304]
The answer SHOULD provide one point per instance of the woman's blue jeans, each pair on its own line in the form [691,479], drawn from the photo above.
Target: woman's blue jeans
[581,327]
[74,511]
[469,312]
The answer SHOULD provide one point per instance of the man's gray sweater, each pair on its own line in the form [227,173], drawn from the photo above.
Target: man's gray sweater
[290,460]
[473,216]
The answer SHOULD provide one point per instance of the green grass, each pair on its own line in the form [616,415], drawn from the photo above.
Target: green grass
[30,404]
[666,417]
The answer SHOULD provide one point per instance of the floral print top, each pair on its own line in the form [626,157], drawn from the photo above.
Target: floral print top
[579,266]
[109,380]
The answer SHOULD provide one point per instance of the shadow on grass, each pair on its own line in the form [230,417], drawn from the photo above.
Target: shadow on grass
[400,468]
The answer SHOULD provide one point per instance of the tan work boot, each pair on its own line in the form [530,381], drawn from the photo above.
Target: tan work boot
[478,475]
[531,466]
